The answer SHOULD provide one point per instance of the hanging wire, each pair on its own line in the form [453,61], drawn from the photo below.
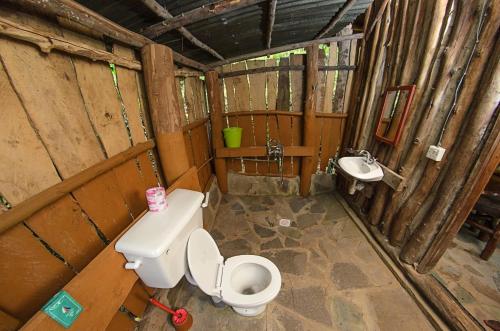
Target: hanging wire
[452,109]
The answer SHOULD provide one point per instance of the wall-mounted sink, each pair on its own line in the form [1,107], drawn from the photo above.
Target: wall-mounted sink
[360,169]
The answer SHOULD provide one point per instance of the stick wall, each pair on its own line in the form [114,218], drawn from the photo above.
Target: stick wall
[436,46]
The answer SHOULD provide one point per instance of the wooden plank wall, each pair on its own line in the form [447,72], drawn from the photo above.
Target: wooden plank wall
[283,91]
[60,115]
[191,92]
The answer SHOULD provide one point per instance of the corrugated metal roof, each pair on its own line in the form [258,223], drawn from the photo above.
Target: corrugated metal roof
[235,33]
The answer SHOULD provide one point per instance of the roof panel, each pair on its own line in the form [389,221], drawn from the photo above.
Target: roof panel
[235,33]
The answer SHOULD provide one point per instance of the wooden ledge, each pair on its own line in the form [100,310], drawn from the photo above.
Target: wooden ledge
[392,178]
[258,151]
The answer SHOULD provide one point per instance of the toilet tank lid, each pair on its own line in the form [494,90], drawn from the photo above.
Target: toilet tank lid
[156,231]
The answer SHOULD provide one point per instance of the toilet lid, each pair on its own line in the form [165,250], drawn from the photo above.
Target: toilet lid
[205,261]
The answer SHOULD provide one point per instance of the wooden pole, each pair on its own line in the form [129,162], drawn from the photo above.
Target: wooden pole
[270,21]
[378,67]
[309,117]
[336,18]
[166,118]
[215,103]
[165,14]
[355,97]
[197,14]
[377,18]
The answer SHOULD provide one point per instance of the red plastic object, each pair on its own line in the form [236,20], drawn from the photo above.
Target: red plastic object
[179,316]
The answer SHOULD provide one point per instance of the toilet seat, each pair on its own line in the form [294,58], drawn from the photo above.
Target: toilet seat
[214,277]
[234,298]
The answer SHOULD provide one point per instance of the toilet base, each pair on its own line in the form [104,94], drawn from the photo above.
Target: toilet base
[250,312]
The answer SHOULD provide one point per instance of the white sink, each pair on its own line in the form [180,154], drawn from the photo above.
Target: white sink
[357,167]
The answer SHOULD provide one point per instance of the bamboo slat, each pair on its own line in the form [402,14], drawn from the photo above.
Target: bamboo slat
[272,85]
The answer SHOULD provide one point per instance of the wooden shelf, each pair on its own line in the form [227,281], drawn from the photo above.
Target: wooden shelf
[255,151]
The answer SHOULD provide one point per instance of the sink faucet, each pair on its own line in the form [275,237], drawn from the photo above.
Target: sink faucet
[368,157]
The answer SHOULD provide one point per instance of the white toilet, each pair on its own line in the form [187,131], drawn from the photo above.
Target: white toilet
[164,246]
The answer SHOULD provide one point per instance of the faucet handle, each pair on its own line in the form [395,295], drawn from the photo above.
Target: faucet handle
[364,153]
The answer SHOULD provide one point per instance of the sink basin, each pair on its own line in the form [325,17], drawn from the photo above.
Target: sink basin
[357,167]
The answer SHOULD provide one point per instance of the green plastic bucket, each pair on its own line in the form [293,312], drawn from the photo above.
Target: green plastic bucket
[232,137]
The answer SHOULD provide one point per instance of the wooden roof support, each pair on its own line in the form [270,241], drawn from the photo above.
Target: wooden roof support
[270,25]
[215,102]
[286,48]
[336,18]
[377,18]
[165,14]
[309,131]
[198,14]
[87,19]
[166,117]
[181,59]
[282,68]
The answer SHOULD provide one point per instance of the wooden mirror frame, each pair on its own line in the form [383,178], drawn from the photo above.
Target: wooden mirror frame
[411,91]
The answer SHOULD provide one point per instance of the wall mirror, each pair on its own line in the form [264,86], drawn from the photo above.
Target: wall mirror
[393,114]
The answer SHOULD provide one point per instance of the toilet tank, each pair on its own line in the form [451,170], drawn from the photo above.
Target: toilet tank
[155,246]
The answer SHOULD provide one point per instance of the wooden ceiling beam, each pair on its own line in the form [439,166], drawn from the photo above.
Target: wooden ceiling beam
[198,14]
[286,48]
[270,25]
[165,14]
[336,18]
[86,19]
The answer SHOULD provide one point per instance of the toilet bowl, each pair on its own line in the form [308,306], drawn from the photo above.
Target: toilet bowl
[247,283]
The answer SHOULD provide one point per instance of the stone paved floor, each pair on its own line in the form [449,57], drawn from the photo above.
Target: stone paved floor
[473,281]
[331,277]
